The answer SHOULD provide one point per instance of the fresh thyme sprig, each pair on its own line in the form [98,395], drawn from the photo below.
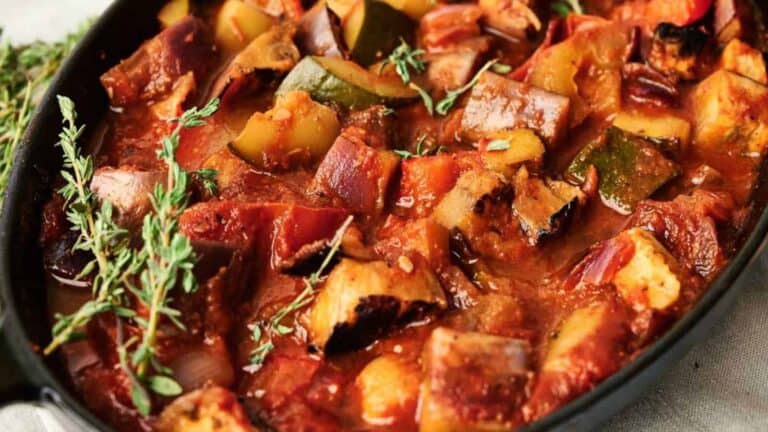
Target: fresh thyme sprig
[207,176]
[25,72]
[263,333]
[447,103]
[566,7]
[404,57]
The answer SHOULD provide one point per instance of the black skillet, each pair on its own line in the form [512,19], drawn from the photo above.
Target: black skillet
[24,326]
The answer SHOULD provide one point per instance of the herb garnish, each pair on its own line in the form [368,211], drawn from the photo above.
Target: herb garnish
[498,145]
[420,149]
[207,176]
[566,7]
[447,103]
[501,68]
[275,326]
[404,57]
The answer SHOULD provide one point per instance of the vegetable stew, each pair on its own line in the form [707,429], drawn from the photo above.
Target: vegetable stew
[397,215]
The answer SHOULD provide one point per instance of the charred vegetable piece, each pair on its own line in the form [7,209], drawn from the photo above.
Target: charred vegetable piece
[675,50]
[238,23]
[333,80]
[646,86]
[296,130]
[373,29]
[472,381]
[676,131]
[744,60]
[388,387]
[588,346]
[359,302]
[213,409]
[320,33]
[497,104]
[355,173]
[458,206]
[630,167]
[515,147]
[173,12]
[650,279]
[544,207]
[729,114]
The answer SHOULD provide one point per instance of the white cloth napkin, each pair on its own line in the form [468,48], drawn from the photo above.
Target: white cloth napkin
[720,386]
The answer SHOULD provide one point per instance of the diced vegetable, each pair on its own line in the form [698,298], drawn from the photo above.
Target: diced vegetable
[497,104]
[447,25]
[296,130]
[729,113]
[451,70]
[511,17]
[523,146]
[373,29]
[678,12]
[649,279]
[361,301]
[413,8]
[458,207]
[472,382]
[341,7]
[388,386]
[647,86]
[588,347]
[423,236]
[355,173]
[173,12]
[213,409]
[630,167]
[238,23]
[425,181]
[744,60]
[662,126]
[675,50]
[128,190]
[343,82]
[320,33]
[733,19]
[544,207]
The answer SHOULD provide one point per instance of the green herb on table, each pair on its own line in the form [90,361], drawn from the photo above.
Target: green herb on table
[263,332]
[567,7]
[447,103]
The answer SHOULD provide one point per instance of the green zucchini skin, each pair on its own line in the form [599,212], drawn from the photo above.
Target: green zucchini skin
[630,168]
[381,31]
[316,76]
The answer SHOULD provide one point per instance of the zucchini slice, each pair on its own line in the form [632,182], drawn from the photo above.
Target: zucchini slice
[334,80]
[630,168]
[373,29]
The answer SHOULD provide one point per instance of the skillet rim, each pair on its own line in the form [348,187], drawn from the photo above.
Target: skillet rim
[575,414]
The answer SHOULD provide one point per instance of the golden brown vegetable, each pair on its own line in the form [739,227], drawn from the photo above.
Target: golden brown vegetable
[238,23]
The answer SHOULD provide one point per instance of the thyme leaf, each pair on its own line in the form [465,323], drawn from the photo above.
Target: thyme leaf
[403,58]
[498,145]
[447,103]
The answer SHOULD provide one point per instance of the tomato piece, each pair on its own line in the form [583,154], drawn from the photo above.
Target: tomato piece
[678,12]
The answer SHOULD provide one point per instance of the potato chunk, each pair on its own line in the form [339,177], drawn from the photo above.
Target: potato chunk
[238,23]
[473,381]
[729,113]
[207,410]
[649,279]
[524,146]
[360,301]
[388,386]
[744,60]
[589,346]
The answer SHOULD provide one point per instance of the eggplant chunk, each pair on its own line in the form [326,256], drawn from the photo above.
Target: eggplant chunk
[458,206]
[472,381]
[589,345]
[497,104]
[452,69]
[675,50]
[355,173]
[361,301]
[744,60]
[630,167]
[212,409]
[319,33]
[729,114]
[544,207]
[388,387]
[128,190]
[650,278]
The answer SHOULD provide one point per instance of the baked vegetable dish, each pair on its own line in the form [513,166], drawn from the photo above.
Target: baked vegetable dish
[397,215]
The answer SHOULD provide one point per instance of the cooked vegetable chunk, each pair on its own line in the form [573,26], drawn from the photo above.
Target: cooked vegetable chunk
[588,347]
[212,409]
[320,33]
[662,126]
[296,130]
[472,382]
[457,208]
[733,19]
[675,50]
[544,207]
[424,182]
[173,12]
[360,302]
[355,173]
[238,23]
[744,60]
[373,29]
[413,8]
[451,70]
[497,104]
[512,17]
[729,114]
[522,146]
[343,82]
[650,279]
[422,236]
[388,387]
[128,190]
[630,167]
